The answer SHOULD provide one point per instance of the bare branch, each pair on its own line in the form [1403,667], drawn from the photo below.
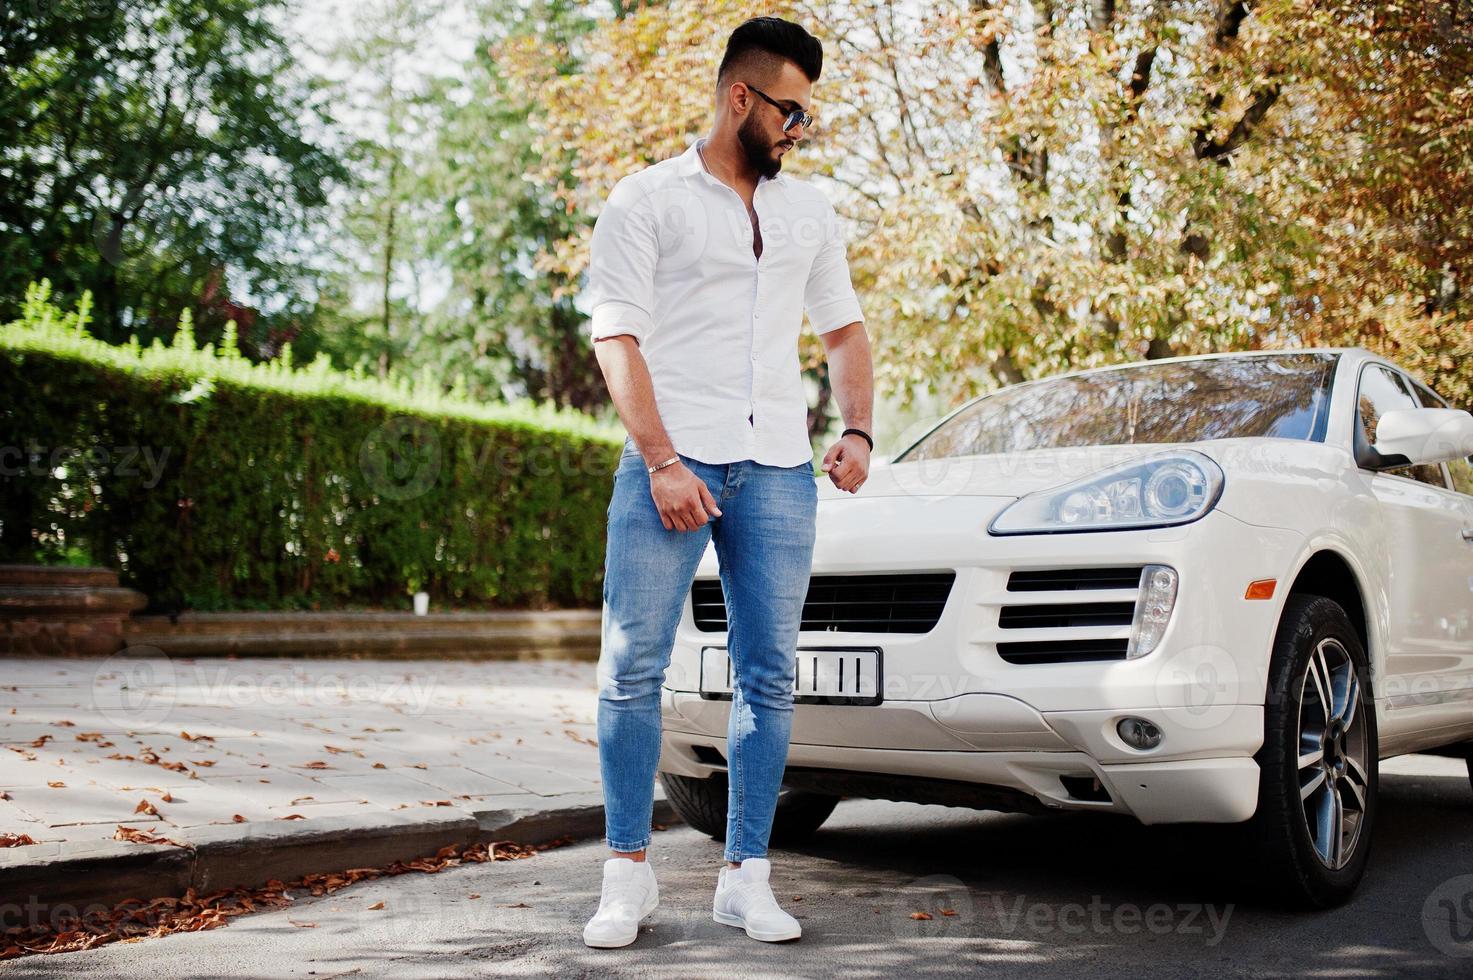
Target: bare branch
[1218,151]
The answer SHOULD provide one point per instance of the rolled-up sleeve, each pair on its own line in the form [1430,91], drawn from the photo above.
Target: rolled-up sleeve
[621,265]
[829,296]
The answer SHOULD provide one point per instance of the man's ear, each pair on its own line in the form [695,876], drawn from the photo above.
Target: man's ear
[738,99]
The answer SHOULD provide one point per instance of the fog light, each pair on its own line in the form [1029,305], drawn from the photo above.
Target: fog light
[1153,606]
[1139,733]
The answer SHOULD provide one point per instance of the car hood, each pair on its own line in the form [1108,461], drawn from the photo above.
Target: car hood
[1009,475]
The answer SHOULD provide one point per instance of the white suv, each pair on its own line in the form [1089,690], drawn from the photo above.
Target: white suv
[1204,589]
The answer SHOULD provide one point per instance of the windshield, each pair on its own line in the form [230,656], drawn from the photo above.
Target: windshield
[1283,396]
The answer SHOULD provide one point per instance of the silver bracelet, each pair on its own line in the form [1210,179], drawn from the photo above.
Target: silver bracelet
[660,466]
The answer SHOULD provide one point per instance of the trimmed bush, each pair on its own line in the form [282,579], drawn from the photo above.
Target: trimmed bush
[211,482]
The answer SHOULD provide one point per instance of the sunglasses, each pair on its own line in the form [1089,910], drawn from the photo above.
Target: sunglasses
[796,117]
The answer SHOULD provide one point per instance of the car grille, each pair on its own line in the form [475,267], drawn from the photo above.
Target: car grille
[894,602]
[1070,615]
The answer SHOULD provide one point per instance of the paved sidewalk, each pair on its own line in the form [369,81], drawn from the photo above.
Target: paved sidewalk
[164,745]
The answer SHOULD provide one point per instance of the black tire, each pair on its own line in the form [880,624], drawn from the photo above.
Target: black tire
[1312,766]
[701,803]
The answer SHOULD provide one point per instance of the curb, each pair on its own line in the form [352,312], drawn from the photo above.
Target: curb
[553,634]
[44,883]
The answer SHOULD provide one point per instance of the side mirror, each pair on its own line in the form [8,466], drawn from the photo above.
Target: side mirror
[1424,435]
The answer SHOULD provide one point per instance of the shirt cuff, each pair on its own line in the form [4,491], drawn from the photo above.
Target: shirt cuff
[835,313]
[613,318]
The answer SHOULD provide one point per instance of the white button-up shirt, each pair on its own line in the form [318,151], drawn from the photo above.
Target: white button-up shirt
[672,265]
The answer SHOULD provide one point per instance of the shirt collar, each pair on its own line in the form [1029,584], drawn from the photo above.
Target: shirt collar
[689,165]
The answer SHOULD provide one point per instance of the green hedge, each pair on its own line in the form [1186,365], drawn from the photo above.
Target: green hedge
[211,482]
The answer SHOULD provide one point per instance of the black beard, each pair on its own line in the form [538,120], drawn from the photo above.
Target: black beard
[759,152]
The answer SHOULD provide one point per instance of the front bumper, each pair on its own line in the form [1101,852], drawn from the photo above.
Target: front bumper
[955,710]
[1210,777]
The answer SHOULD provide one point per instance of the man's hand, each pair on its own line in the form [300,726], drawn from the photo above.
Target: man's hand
[847,462]
[681,497]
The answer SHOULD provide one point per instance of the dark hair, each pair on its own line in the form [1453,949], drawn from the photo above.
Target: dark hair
[760,45]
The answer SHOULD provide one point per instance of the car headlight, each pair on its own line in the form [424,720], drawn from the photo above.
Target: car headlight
[1174,487]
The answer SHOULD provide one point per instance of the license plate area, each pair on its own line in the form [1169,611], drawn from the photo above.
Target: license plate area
[823,675]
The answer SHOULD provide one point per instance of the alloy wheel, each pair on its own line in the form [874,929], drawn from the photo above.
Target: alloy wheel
[1332,753]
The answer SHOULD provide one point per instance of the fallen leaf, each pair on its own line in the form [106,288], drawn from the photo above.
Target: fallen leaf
[146,807]
[292,816]
[133,920]
[55,783]
[375,906]
[316,764]
[135,836]
[16,840]
[921,915]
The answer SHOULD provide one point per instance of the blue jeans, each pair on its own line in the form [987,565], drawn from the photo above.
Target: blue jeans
[764,548]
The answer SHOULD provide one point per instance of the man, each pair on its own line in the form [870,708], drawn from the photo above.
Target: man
[702,267]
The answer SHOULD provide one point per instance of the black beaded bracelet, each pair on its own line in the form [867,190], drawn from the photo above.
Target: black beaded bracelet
[862,433]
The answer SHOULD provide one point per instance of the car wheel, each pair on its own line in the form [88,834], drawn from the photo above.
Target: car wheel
[702,804]
[1318,763]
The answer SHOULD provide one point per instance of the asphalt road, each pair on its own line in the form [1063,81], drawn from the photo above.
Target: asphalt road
[1031,896]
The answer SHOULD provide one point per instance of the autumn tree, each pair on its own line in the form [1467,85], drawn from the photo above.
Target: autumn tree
[1037,185]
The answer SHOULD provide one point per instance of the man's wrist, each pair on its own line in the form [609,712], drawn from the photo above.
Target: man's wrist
[657,454]
[661,459]
[863,433]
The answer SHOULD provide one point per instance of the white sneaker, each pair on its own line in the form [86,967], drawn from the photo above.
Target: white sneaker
[744,898]
[629,894]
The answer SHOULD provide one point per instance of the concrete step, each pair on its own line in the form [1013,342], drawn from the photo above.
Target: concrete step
[517,635]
